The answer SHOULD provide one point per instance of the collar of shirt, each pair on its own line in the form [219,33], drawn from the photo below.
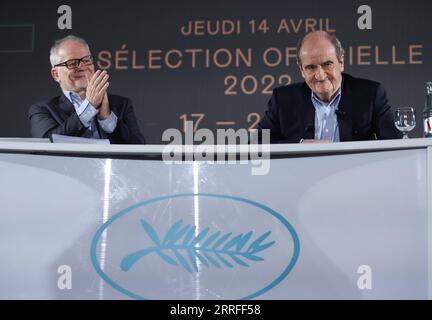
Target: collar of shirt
[333,104]
[325,116]
[69,97]
[80,106]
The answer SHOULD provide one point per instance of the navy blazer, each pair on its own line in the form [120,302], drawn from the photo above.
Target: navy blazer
[363,113]
[58,116]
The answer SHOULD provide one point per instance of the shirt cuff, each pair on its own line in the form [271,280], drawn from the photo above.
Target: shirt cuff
[109,124]
[86,112]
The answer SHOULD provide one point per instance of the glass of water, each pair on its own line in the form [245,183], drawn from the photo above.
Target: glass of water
[405,120]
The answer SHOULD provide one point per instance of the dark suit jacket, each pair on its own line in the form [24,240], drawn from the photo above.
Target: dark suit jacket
[364,113]
[58,116]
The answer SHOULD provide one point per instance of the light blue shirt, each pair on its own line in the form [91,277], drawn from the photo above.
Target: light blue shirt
[87,115]
[326,124]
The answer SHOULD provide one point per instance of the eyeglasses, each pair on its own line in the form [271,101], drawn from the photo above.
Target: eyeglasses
[75,63]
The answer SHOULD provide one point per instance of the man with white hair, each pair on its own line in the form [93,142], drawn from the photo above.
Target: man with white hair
[329,106]
[84,109]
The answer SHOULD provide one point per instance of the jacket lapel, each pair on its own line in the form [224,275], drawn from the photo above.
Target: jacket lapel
[345,114]
[64,110]
[308,119]
[65,107]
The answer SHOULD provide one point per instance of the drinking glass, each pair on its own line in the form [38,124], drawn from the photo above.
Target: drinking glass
[405,120]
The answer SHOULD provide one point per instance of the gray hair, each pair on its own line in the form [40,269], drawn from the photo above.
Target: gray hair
[54,58]
[330,37]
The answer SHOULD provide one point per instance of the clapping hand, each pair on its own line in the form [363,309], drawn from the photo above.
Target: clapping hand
[104,110]
[97,88]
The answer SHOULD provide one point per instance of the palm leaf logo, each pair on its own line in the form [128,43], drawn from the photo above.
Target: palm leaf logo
[180,247]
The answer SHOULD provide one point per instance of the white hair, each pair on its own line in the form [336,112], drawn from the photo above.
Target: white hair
[54,58]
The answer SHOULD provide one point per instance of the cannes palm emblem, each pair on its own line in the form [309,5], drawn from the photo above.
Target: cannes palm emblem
[181,247]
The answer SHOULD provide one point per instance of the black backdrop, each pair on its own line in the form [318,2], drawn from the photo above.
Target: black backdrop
[134,38]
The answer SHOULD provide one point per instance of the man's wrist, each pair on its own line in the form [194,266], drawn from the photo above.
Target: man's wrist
[93,104]
[104,115]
